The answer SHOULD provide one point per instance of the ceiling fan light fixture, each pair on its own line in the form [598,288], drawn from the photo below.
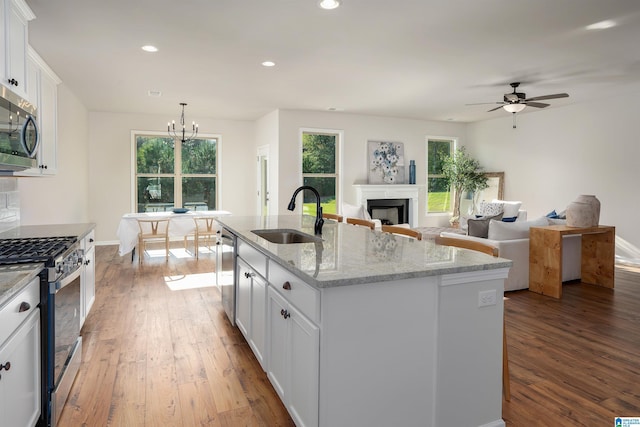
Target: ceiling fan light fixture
[329,4]
[514,108]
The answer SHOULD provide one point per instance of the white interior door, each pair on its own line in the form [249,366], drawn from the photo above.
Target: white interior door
[263,180]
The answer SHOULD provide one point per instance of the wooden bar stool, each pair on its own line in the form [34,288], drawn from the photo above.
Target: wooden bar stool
[362,222]
[405,231]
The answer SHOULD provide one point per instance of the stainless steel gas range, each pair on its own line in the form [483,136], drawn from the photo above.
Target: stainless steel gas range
[61,342]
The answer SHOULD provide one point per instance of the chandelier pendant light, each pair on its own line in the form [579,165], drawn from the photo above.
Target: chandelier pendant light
[181,134]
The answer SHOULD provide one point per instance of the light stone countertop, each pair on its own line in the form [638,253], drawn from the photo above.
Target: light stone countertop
[15,277]
[355,255]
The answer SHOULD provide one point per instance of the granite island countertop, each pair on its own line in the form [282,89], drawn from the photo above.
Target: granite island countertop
[352,255]
[15,277]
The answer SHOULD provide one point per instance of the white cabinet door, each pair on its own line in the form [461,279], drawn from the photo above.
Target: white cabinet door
[15,26]
[259,318]
[89,281]
[294,359]
[48,118]
[278,343]
[243,298]
[20,382]
[304,343]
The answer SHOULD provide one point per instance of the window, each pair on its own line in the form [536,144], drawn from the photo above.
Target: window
[438,191]
[319,170]
[170,173]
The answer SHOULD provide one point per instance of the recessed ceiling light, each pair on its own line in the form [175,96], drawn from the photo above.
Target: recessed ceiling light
[149,48]
[602,25]
[329,4]
[154,93]
[335,109]
[268,64]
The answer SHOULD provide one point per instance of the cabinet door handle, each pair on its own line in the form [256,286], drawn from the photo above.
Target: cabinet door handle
[284,313]
[87,262]
[24,306]
[6,366]
[248,274]
[286,286]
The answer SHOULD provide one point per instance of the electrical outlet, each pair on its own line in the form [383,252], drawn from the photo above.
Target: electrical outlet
[486,298]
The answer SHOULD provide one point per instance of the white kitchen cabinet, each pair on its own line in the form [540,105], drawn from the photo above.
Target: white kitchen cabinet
[293,354]
[15,18]
[43,90]
[251,300]
[88,276]
[20,359]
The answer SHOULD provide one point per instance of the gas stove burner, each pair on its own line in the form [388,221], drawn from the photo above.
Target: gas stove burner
[35,249]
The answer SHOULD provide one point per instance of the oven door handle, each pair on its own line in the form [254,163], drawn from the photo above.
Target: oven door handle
[59,284]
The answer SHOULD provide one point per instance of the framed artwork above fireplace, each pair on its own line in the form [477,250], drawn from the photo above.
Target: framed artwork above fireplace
[386,162]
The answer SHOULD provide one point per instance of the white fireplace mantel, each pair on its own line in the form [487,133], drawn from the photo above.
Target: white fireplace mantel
[366,192]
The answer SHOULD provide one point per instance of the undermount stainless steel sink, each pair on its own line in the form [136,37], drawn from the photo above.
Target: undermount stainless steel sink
[286,236]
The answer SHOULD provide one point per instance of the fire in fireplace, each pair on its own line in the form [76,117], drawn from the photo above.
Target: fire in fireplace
[389,211]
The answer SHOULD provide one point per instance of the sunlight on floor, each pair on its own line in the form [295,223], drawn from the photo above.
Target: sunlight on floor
[190,281]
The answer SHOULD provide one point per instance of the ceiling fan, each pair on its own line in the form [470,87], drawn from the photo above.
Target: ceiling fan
[515,102]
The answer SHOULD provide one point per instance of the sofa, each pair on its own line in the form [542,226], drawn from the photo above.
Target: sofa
[512,241]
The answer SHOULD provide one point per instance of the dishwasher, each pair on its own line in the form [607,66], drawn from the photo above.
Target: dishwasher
[225,272]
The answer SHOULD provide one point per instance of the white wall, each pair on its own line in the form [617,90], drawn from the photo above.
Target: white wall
[110,161]
[557,154]
[358,129]
[62,198]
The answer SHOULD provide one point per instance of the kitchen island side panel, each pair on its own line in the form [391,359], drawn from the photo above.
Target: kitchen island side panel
[378,354]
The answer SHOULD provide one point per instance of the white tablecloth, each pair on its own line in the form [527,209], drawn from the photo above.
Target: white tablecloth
[180,225]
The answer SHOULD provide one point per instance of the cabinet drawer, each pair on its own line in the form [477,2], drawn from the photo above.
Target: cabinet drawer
[253,257]
[304,297]
[89,241]
[10,315]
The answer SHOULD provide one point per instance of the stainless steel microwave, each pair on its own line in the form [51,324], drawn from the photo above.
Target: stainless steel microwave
[19,137]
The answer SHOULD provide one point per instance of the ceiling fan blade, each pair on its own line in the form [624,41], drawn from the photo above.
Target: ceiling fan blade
[554,96]
[536,104]
[494,109]
[485,103]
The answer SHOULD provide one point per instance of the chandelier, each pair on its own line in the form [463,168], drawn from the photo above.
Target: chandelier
[171,128]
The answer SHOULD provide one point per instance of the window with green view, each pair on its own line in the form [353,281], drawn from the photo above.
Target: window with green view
[320,170]
[438,191]
[171,173]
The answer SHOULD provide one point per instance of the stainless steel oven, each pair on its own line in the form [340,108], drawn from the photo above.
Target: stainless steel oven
[67,342]
[65,349]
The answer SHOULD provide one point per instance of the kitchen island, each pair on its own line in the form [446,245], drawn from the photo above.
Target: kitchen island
[371,329]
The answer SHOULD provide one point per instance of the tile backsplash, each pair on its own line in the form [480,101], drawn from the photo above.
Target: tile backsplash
[9,203]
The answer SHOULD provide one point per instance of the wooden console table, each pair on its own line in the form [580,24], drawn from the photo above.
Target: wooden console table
[545,257]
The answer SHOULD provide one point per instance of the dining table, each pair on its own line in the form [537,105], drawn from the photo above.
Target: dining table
[180,225]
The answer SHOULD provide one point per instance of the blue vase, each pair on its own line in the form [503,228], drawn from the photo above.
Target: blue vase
[412,171]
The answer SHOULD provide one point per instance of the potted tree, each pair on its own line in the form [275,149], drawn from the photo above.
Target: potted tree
[463,173]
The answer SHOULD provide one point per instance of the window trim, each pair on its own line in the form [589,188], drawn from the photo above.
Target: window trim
[133,166]
[339,156]
[453,142]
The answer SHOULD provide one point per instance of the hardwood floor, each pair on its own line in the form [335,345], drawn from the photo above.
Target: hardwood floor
[154,356]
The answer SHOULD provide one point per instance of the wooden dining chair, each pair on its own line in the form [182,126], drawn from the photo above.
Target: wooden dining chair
[493,251]
[153,229]
[334,217]
[205,228]
[405,231]
[362,222]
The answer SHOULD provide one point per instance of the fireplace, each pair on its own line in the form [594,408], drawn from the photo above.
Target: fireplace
[389,211]
[387,193]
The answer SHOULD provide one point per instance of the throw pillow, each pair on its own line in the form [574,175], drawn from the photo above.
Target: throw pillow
[510,209]
[499,230]
[490,209]
[479,227]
